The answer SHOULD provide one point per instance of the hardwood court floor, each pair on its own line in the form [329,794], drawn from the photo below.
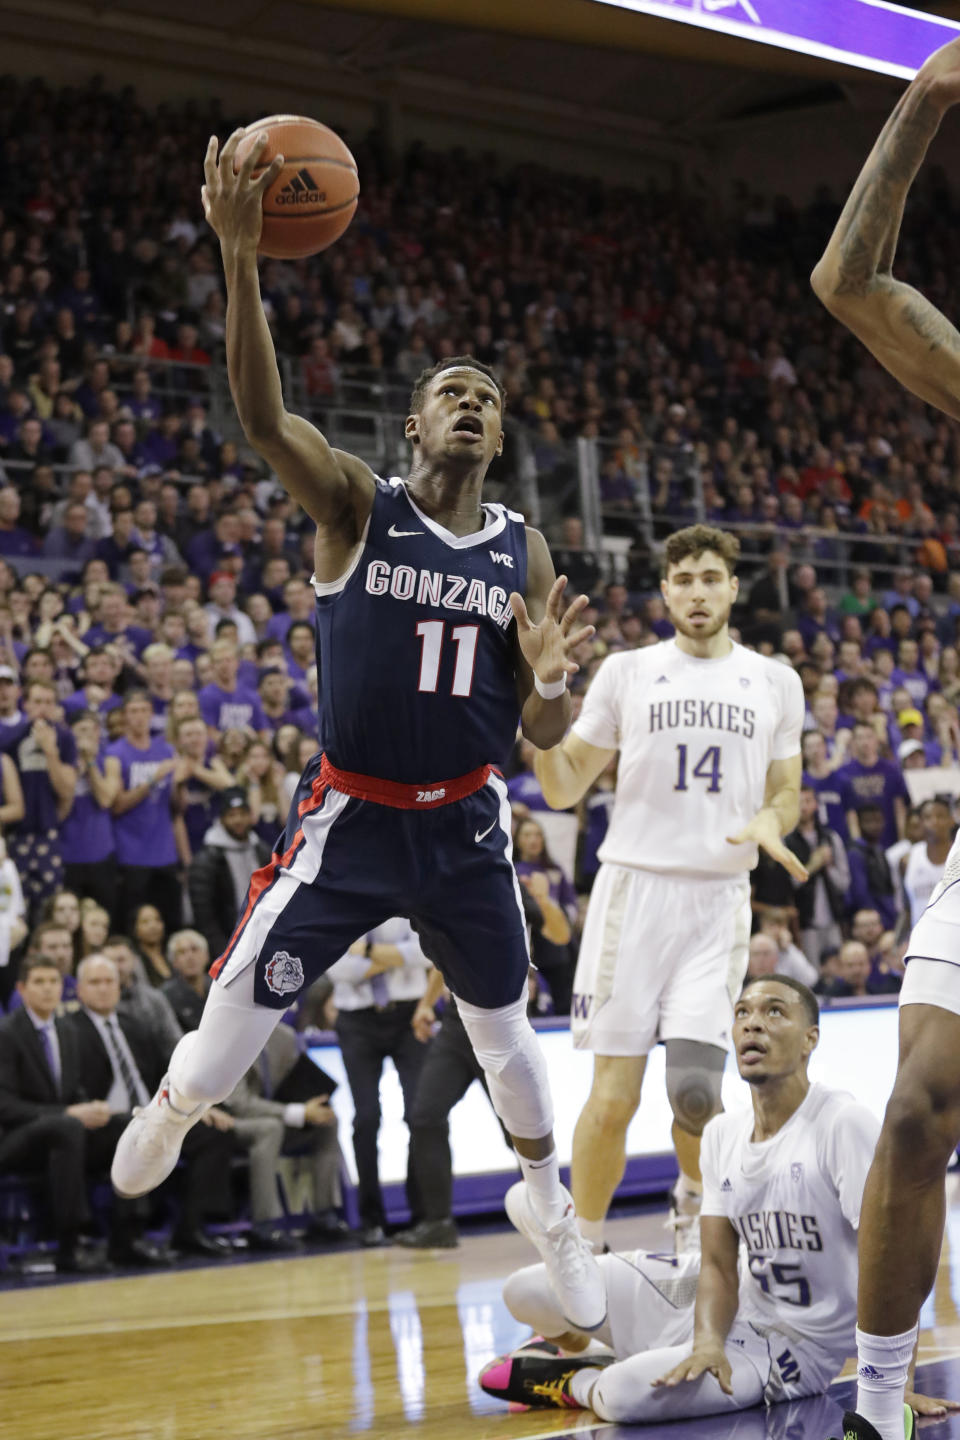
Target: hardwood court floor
[359,1344]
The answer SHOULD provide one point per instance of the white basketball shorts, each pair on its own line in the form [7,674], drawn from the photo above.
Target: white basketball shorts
[663,957]
[933,973]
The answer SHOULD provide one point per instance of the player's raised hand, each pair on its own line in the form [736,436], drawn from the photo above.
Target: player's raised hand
[233,202]
[764,830]
[940,75]
[926,1405]
[548,647]
[706,1360]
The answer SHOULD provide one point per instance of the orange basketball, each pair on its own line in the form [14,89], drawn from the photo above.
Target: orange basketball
[313,199]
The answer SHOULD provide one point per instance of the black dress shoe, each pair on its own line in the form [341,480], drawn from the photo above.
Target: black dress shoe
[139,1254]
[196,1242]
[371,1236]
[327,1225]
[82,1262]
[277,1241]
[430,1235]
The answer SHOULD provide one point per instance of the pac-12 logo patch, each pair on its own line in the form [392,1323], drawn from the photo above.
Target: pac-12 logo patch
[284,973]
[796,1171]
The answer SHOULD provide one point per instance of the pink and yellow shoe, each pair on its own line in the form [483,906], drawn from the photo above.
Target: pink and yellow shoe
[534,1377]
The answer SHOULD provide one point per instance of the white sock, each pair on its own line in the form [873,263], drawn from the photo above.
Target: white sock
[180,1104]
[687,1195]
[543,1182]
[581,1383]
[592,1232]
[882,1365]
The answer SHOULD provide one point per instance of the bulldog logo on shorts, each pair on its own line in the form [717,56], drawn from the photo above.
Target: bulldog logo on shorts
[284,973]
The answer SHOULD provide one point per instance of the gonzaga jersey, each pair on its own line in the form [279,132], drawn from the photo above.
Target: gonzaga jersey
[696,738]
[414,645]
[794,1200]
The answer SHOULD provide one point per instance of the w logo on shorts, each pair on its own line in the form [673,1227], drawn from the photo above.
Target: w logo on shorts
[580,1007]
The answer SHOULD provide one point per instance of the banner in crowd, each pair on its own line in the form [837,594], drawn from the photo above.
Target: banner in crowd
[870,34]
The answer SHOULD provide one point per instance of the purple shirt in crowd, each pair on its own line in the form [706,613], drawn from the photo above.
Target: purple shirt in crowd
[231,709]
[144,835]
[878,784]
[86,835]
[39,796]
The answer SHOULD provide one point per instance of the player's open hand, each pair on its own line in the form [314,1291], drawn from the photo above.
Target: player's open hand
[926,1405]
[548,647]
[708,1360]
[764,830]
[233,202]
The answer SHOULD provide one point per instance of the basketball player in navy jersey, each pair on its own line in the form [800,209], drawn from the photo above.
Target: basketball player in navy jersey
[440,625]
[903,1206]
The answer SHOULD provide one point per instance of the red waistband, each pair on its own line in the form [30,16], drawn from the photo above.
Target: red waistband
[403,797]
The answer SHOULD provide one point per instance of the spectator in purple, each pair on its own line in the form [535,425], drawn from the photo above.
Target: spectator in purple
[301,650]
[523,788]
[112,625]
[99,673]
[69,542]
[299,604]
[817,619]
[86,835]
[200,777]
[865,779]
[140,767]
[533,864]
[13,539]
[909,673]
[158,663]
[45,755]
[276,692]
[209,549]
[224,704]
[223,606]
[871,882]
[10,712]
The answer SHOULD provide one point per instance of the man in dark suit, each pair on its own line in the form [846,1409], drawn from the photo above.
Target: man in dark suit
[49,1124]
[123,1064]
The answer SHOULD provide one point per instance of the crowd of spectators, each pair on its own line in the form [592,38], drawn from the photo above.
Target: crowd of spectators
[158,687]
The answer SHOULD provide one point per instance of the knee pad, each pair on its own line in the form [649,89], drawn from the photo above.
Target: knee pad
[694,1080]
[507,1048]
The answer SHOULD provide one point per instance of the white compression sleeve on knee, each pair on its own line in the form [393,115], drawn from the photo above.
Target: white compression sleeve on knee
[208,1063]
[505,1044]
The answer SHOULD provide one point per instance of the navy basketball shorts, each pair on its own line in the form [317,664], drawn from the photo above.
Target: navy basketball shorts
[356,852]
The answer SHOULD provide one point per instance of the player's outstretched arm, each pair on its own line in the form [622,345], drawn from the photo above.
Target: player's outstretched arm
[718,1296]
[548,632]
[854,279]
[779,815]
[335,489]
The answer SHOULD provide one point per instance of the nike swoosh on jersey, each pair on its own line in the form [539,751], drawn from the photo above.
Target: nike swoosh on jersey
[398,534]
[482,834]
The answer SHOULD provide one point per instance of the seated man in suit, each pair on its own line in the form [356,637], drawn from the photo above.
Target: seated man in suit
[48,1123]
[122,1064]
[269,1128]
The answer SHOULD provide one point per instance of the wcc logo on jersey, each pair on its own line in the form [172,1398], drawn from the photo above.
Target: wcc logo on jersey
[284,973]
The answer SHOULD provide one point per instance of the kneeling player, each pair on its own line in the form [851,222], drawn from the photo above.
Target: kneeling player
[783,1184]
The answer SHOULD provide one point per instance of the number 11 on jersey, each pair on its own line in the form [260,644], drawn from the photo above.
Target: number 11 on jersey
[465,638]
[707,768]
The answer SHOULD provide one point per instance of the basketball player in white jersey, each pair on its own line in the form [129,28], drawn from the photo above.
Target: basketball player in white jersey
[903,1206]
[921,869]
[769,1312]
[709,740]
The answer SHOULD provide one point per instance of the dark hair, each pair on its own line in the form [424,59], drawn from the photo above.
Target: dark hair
[695,540]
[299,625]
[452,362]
[871,808]
[137,694]
[37,962]
[810,1001]
[75,717]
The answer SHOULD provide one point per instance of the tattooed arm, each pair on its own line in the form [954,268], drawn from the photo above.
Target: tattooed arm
[907,334]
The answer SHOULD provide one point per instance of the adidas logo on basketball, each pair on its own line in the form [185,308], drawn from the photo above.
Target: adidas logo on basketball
[301,190]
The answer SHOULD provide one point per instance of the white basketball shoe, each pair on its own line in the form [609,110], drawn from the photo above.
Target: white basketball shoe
[575,1276]
[149,1148]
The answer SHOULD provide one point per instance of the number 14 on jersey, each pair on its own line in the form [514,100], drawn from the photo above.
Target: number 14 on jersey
[707,769]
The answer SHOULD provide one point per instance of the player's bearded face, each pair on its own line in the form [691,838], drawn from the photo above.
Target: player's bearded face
[699,596]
